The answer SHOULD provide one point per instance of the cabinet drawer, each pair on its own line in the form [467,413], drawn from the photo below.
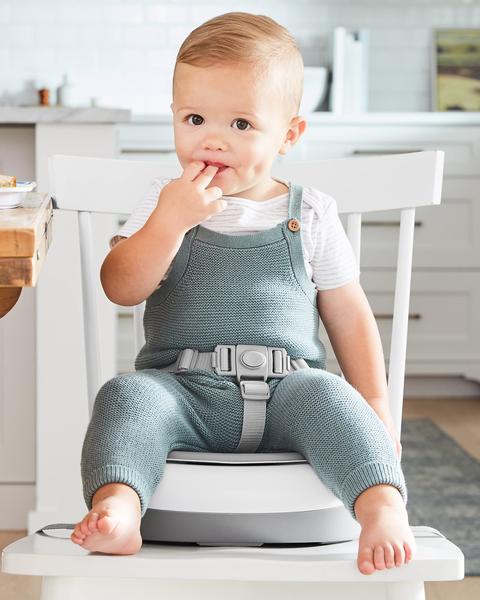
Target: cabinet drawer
[444,321]
[446,236]
[460,144]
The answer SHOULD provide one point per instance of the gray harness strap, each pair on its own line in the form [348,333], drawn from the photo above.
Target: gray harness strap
[252,366]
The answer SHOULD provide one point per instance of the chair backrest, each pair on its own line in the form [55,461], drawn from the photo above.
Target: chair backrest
[358,184]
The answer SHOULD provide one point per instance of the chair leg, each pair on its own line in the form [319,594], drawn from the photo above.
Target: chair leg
[405,590]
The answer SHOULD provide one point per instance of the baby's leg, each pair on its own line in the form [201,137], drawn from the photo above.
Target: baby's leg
[134,423]
[323,417]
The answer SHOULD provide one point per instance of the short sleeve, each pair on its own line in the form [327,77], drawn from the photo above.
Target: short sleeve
[333,261]
[142,211]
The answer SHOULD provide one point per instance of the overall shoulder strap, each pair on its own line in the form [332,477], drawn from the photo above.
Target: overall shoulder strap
[295,201]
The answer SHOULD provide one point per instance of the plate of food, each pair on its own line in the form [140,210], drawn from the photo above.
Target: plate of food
[11,190]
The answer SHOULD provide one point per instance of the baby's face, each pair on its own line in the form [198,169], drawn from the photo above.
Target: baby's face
[223,115]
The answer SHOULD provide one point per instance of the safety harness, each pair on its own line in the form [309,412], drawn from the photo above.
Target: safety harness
[252,366]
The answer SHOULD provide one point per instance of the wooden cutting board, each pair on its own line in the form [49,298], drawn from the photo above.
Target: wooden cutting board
[25,235]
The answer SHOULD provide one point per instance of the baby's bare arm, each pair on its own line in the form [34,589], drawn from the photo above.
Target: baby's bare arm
[353,332]
[135,266]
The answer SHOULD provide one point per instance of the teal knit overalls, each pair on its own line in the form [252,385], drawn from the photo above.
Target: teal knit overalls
[235,289]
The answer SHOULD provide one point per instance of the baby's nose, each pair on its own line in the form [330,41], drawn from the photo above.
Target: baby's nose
[214,143]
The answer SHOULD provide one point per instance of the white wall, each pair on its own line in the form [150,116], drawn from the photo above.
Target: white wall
[122,51]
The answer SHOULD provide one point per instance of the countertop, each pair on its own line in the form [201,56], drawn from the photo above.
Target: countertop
[62,114]
[373,118]
[59,114]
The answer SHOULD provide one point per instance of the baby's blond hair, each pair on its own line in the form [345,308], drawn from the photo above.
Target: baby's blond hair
[256,40]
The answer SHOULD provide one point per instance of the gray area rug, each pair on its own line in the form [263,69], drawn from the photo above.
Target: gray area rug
[443,484]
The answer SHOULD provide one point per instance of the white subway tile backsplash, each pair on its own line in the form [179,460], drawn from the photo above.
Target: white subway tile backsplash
[57,37]
[130,58]
[70,59]
[24,59]
[124,13]
[161,59]
[164,13]
[17,36]
[33,12]
[82,14]
[123,51]
[146,35]
[5,59]
[5,13]
[97,36]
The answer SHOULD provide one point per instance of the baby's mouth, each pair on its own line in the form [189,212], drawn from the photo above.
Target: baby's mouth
[221,166]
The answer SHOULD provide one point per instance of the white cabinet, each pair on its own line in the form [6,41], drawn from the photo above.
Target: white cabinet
[444,327]
[43,407]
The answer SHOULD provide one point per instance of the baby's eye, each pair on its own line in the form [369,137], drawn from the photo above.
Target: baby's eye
[196,119]
[242,124]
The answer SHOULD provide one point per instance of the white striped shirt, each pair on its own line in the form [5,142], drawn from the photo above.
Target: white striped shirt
[328,255]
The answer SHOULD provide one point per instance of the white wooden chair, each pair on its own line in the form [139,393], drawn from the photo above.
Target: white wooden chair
[359,185]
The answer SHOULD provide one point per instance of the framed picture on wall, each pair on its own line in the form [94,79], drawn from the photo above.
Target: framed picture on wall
[456,72]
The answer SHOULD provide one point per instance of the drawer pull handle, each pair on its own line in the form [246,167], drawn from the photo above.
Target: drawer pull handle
[386,151]
[412,316]
[388,223]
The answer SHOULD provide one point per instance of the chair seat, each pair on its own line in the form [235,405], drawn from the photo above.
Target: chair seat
[437,559]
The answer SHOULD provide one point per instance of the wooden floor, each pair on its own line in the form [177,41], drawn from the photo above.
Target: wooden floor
[457,417]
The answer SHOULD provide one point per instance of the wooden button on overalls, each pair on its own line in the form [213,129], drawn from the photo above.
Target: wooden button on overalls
[294,225]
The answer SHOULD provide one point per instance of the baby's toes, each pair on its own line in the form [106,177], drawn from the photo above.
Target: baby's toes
[379,558]
[77,536]
[408,552]
[365,561]
[399,554]
[84,526]
[389,555]
[92,522]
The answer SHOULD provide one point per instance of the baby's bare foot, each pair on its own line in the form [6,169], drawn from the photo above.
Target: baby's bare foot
[111,527]
[386,539]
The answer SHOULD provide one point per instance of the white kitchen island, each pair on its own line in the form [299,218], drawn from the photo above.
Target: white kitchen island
[42,382]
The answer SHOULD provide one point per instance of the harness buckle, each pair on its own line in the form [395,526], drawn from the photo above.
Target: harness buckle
[252,365]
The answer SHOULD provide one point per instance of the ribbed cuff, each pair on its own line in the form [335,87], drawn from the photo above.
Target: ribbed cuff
[368,475]
[116,474]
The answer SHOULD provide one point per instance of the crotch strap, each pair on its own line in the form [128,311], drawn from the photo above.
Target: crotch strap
[252,366]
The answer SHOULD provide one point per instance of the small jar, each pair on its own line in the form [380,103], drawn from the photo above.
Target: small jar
[44,97]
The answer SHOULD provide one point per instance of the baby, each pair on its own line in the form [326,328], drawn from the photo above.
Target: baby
[227,254]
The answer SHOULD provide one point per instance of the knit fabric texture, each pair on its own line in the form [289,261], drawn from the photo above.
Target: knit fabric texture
[227,289]
[139,418]
[224,289]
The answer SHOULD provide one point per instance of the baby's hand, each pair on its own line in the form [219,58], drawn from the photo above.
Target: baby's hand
[186,201]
